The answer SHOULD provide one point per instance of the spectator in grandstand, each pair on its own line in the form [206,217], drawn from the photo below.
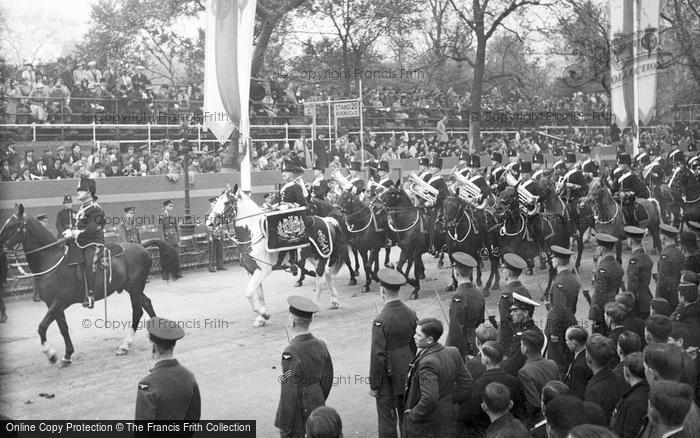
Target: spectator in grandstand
[66,75]
[92,74]
[139,80]
[76,153]
[37,103]
[79,74]
[28,74]
[98,172]
[6,170]
[113,169]
[38,170]
[55,171]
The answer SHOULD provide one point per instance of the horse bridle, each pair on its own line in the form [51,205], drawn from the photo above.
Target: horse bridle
[22,229]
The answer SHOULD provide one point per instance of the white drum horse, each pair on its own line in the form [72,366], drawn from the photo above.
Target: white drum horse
[249,219]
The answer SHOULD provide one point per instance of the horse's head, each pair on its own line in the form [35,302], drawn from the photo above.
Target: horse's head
[394,196]
[595,189]
[14,230]
[454,208]
[225,207]
[508,198]
[347,202]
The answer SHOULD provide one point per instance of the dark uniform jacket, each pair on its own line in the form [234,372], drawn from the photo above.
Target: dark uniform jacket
[507,425]
[359,185]
[690,316]
[131,233]
[534,374]
[638,278]
[514,360]
[505,328]
[466,313]
[630,182]
[575,176]
[170,392]
[562,313]
[393,348]
[470,413]
[307,377]
[605,389]
[65,219]
[578,375]
[90,218]
[608,279]
[168,224]
[292,193]
[669,269]
[628,416]
[438,182]
[692,263]
[320,187]
[437,380]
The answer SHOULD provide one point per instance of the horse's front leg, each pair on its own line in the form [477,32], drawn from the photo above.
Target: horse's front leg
[63,327]
[417,260]
[50,316]
[256,297]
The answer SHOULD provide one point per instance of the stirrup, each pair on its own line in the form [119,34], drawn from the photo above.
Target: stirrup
[89,302]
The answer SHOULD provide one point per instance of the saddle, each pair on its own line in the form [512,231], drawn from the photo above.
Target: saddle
[321,235]
[75,253]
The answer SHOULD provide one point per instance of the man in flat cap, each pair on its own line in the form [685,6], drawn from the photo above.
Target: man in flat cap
[128,226]
[513,266]
[215,239]
[608,279]
[467,307]
[393,349]
[639,273]
[562,311]
[669,265]
[522,311]
[307,371]
[88,232]
[168,226]
[170,391]
[65,219]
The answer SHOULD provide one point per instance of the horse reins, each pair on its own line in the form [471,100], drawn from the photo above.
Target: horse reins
[617,211]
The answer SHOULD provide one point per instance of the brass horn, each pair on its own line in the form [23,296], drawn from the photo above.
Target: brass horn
[527,199]
[422,189]
[342,181]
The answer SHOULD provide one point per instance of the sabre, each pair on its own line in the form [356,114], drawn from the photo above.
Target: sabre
[289,341]
[586,292]
[442,308]
[376,308]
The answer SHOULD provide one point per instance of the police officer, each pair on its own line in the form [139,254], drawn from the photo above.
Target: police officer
[215,240]
[307,371]
[65,219]
[393,349]
[467,307]
[128,227]
[88,232]
[513,266]
[170,391]
[521,312]
[319,186]
[669,265]
[562,311]
[608,279]
[639,273]
[168,226]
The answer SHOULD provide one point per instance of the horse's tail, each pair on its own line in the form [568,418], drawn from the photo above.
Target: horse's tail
[169,260]
[656,204]
[336,259]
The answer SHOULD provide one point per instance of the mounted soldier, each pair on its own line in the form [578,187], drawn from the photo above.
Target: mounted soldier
[572,186]
[319,186]
[629,187]
[384,178]
[88,232]
[291,195]
[496,171]
[422,173]
[356,179]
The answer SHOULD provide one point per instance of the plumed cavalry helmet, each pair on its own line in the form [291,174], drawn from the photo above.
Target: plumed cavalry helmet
[87,185]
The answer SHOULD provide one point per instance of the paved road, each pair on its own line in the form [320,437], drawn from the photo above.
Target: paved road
[237,366]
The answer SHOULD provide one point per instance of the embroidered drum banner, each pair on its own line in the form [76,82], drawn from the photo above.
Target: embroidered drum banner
[286,230]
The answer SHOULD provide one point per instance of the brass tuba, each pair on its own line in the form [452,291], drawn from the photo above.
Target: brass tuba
[422,189]
[338,177]
[468,191]
[528,200]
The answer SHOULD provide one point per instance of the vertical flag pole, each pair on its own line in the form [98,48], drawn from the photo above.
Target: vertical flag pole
[635,59]
[362,129]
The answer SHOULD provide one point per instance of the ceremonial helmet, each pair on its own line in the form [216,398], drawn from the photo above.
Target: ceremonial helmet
[436,162]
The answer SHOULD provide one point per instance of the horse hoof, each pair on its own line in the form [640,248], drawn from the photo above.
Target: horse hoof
[298,283]
[334,306]
[414,296]
[478,283]
[65,363]
[365,289]
[259,322]
[421,276]
[352,282]
[122,350]
[51,355]
[3,319]
[450,288]
[495,287]
[440,264]
[389,265]
[357,272]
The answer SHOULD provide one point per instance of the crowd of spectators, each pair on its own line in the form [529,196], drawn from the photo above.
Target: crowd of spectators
[105,160]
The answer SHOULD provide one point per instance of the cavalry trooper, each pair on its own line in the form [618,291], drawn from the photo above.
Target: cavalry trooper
[474,166]
[524,171]
[467,307]
[170,391]
[608,279]
[477,178]
[129,228]
[384,178]
[562,308]
[319,186]
[496,170]
[639,273]
[307,371]
[669,265]
[372,177]
[463,165]
[676,158]
[356,178]
[88,232]
[436,211]
[215,238]
[513,266]
[573,185]
[168,226]
[629,187]
[65,219]
[513,161]
[392,351]
[521,312]
[423,168]
[533,184]
[590,169]
[539,167]
[641,160]
[292,194]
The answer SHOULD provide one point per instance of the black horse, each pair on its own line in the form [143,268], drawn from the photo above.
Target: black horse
[409,226]
[3,278]
[467,231]
[60,282]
